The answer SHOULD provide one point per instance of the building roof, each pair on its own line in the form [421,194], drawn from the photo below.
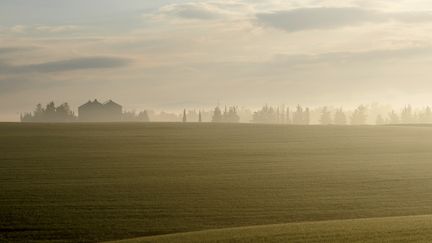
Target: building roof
[111,103]
[91,103]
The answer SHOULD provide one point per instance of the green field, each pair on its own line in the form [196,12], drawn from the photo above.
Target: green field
[101,182]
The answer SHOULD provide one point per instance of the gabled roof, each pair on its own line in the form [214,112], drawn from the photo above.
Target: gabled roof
[111,103]
[91,103]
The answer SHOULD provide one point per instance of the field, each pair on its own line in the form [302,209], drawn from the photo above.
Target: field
[102,182]
[389,229]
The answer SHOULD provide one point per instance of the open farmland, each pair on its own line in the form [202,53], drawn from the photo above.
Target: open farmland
[100,182]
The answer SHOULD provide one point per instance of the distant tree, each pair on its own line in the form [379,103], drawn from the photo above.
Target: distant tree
[267,115]
[129,116]
[217,115]
[38,113]
[50,112]
[199,117]
[325,117]
[340,117]
[27,117]
[407,115]
[426,115]
[64,113]
[306,117]
[184,116]
[282,117]
[301,116]
[288,116]
[380,120]
[143,116]
[393,118]
[230,115]
[298,116]
[359,116]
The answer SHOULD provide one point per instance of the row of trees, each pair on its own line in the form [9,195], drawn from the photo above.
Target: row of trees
[63,113]
[50,113]
[267,114]
[338,117]
[229,115]
[280,115]
[359,117]
[132,116]
[406,116]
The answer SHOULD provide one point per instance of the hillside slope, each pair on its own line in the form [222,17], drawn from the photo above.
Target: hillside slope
[389,229]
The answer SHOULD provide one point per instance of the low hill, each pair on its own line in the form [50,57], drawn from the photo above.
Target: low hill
[389,229]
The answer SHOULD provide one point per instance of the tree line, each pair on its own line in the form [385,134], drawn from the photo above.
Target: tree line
[267,115]
[63,113]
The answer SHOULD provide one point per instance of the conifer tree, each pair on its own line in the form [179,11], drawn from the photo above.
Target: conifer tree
[184,116]
[340,117]
[217,115]
[359,116]
[325,117]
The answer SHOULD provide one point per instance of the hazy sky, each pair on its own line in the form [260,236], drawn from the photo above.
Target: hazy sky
[194,54]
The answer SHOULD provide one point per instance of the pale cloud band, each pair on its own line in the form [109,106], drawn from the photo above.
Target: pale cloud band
[328,18]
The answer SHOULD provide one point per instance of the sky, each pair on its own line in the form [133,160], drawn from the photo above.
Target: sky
[166,54]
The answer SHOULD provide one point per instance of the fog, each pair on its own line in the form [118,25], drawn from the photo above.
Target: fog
[167,56]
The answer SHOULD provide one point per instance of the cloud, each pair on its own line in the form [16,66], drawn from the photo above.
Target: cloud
[9,50]
[337,58]
[56,29]
[67,65]
[328,18]
[197,11]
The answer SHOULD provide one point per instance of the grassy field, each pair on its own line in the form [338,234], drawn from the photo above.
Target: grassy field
[390,229]
[98,182]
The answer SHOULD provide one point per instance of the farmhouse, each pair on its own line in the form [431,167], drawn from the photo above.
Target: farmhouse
[94,111]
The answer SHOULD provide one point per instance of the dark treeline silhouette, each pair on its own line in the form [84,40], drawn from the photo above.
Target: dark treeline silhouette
[406,116]
[282,115]
[132,116]
[228,116]
[50,113]
[94,111]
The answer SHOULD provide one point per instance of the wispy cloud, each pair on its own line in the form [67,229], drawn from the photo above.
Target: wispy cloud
[202,11]
[327,18]
[67,65]
[15,49]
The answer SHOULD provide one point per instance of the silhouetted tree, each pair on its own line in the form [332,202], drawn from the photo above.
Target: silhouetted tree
[64,113]
[407,115]
[325,117]
[340,117]
[267,114]
[217,115]
[306,117]
[288,116]
[393,118]
[230,115]
[143,116]
[298,116]
[359,116]
[38,113]
[184,116]
[301,116]
[426,115]
[51,113]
